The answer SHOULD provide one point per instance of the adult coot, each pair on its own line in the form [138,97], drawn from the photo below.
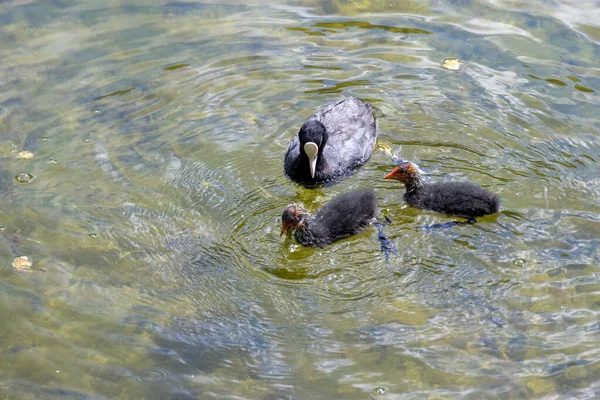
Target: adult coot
[344,216]
[332,143]
[461,199]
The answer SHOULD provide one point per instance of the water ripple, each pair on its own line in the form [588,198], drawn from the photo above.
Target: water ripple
[158,133]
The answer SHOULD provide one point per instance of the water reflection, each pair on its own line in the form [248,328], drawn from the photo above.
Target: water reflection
[158,133]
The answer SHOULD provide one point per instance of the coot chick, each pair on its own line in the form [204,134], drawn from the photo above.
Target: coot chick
[332,144]
[460,199]
[344,216]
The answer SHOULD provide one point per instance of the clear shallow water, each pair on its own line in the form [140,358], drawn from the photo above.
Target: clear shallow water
[158,133]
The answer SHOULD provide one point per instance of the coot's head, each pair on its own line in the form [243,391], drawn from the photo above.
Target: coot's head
[313,136]
[292,218]
[405,172]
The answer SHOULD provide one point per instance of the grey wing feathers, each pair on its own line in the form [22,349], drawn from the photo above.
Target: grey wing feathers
[349,120]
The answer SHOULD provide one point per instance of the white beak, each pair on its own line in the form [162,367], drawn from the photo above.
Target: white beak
[311,149]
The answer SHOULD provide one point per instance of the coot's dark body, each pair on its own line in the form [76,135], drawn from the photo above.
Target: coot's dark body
[344,216]
[461,199]
[345,135]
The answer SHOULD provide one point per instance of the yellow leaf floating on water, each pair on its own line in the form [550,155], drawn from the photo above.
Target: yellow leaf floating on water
[22,264]
[386,148]
[25,155]
[453,64]
[208,184]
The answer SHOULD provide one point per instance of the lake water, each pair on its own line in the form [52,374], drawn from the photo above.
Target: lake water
[154,132]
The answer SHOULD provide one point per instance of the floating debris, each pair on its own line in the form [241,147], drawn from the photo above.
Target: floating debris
[22,264]
[117,93]
[453,64]
[24,177]
[25,155]
[96,111]
[174,67]
[556,81]
[583,88]
[305,30]
[367,25]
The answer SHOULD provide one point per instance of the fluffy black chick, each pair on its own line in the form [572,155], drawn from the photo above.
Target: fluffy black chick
[460,199]
[344,216]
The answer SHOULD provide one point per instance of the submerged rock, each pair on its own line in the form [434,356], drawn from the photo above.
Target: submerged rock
[24,177]
[25,155]
[22,264]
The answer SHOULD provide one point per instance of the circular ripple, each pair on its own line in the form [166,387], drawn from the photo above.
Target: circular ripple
[152,375]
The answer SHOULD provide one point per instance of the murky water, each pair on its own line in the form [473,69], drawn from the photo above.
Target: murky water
[154,135]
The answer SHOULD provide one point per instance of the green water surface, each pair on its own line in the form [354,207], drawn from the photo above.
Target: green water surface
[157,132]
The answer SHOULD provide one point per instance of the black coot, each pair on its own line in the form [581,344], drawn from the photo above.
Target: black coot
[332,143]
[461,199]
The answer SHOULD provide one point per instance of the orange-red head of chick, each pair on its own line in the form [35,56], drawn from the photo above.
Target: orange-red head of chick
[405,172]
[292,218]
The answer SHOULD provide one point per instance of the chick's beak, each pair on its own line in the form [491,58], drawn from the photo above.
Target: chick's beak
[393,174]
[312,150]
